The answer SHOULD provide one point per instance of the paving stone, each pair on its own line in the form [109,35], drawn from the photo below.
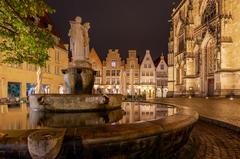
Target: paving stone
[216,142]
[220,109]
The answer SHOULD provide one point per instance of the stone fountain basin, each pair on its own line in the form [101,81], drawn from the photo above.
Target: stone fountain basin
[152,139]
[74,103]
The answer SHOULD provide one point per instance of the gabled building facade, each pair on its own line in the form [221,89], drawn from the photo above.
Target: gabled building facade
[132,73]
[130,78]
[161,78]
[113,68]
[148,76]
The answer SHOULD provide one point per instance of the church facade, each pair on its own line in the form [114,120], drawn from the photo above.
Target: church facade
[204,45]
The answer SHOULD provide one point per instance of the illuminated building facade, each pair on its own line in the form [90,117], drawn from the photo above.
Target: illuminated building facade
[113,68]
[161,78]
[20,80]
[203,48]
[148,76]
[132,73]
[130,78]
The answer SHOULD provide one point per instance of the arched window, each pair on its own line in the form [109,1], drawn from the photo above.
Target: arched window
[210,11]
[181,40]
[210,57]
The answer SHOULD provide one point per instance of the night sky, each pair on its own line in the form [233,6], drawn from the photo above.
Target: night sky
[118,24]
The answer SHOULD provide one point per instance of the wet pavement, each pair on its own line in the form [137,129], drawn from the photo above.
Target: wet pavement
[212,142]
[220,109]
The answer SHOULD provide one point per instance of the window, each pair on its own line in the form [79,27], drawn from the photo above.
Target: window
[210,57]
[113,73]
[57,70]
[118,72]
[149,66]
[151,73]
[57,56]
[47,69]
[151,80]
[181,44]
[143,73]
[17,66]
[132,65]
[117,81]
[114,63]
[108,73]
[97,81]
[136,74]
[135,81]
[147,74]
[113,81]
[210,12]
[162,66]
[98,74]
[145,65]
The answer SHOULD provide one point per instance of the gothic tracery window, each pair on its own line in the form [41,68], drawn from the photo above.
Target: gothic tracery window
[181,40]
[210,11]
[210,57]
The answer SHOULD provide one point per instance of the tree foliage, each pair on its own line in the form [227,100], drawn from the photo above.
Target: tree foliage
[22,39]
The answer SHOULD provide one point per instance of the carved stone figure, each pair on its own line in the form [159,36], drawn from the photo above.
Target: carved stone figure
[79,40]
[86,27]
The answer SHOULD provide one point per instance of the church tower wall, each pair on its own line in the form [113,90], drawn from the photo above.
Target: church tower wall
[203,44]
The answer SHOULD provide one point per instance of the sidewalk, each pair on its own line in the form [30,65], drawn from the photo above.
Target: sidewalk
[221,109]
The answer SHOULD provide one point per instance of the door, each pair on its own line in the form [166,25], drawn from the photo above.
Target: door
[210,87]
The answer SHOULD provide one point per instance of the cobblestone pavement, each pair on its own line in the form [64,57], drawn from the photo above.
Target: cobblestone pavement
[220,109]
[215,142]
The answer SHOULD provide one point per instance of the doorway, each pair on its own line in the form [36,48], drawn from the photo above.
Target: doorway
[210,87]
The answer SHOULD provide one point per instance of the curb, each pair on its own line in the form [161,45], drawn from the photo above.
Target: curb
[206,119]
[220,123]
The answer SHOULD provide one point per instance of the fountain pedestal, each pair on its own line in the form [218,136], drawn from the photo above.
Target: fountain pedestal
[79,78]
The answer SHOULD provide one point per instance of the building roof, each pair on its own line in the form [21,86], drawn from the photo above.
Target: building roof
[46,22]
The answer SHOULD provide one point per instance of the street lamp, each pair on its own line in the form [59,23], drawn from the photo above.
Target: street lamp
[190,92]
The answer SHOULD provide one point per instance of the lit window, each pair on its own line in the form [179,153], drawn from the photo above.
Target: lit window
[114,63]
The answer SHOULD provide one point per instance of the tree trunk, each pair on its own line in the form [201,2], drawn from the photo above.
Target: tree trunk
[38,89]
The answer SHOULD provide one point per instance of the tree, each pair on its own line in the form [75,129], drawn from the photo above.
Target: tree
[22,38]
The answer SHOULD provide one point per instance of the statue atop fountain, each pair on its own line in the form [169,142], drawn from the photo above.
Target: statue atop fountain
[79,77]
[79,40]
